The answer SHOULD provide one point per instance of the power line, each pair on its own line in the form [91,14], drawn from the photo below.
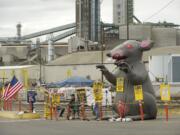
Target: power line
[164,7]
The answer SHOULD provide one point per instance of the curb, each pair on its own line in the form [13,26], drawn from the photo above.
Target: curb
[17,115]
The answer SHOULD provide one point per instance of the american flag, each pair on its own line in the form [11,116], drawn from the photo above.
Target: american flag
[13,87]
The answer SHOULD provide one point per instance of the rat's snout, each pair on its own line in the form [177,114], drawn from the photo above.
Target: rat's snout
[116,56]
[108,54]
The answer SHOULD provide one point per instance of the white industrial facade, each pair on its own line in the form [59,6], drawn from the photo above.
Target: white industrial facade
[165,68]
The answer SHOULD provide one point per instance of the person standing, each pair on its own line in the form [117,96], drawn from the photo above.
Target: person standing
[31,96]
[73,107]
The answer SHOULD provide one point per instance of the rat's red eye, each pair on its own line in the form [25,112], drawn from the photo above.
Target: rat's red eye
[129,46]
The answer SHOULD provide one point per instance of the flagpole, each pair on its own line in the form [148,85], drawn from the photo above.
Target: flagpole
[19,106]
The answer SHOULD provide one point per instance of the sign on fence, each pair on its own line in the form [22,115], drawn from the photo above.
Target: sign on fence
[97,89]
[120,84]
[165,92]
[138,92]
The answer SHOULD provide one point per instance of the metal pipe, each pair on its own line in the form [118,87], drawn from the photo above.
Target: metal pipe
[49,31]
[50,51]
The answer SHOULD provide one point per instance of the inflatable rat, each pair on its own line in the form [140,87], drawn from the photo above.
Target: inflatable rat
[128,58]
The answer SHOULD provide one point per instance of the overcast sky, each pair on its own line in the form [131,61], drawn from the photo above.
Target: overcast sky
[38,15]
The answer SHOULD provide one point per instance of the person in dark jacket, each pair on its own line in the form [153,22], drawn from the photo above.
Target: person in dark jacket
[73,107]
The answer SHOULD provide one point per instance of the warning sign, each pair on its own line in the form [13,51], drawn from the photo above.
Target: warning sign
[97,89]
[138,92]
[165,92]
[120,84]
[69,73]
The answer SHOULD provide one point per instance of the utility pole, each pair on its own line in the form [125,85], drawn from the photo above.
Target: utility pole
[127,18]
[102,60]
[38,44]
[102,50]
[40,79]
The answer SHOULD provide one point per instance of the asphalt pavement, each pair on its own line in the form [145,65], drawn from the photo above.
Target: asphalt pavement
[77,127]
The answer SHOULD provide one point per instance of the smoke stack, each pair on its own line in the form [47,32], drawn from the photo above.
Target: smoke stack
[18,26]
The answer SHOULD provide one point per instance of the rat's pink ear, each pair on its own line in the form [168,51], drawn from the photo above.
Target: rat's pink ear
[146,45]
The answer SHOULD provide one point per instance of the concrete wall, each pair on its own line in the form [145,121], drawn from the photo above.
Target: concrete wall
[164,36]
[54,73]
[160,35]
[58,73]
[20,52]
[7,59]
[33,72]
[137,32]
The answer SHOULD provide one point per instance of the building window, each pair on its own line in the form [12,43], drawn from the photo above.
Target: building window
[118,5]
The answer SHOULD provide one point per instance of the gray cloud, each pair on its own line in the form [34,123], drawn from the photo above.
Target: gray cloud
[37,15]
[144,9]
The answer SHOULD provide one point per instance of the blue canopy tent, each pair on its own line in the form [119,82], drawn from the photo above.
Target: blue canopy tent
[75,81]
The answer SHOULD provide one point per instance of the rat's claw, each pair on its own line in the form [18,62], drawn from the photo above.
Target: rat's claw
[100,66]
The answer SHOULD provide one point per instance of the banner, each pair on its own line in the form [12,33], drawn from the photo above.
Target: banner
[25,78]
[138,92]
[165,92]
[120,84]
[97,90]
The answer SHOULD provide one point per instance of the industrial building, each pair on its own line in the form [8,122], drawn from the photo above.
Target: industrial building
[123,12]
[165,68]
[88,25]
[92,39]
